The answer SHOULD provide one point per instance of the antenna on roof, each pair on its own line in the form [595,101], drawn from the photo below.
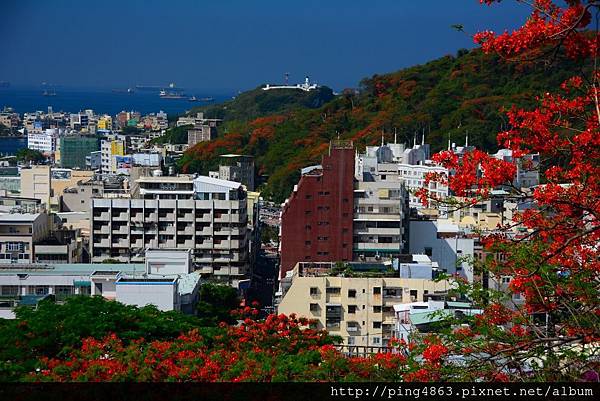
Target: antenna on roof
[395,136]
[423,138]
[382,136]
[467,139]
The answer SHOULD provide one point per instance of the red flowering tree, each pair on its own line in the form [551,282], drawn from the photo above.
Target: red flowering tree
[554,332]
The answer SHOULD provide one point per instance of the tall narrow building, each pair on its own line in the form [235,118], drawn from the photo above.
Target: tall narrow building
[316,220]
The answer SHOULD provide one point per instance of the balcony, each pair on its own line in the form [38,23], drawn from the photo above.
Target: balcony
[185,230]
[120,243]
[102,229]
[121,230]
[104,216]
[103,243]
[138,243]
[122,216]
[186,244]
[205,217]
[204,231]
[185,217]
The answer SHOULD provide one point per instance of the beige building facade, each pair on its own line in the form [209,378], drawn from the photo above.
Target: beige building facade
[358,309]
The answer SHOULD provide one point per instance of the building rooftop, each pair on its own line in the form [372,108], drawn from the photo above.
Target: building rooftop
[217,181]
[71,268]
[19,217]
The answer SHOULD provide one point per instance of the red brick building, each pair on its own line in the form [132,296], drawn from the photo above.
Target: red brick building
[316,220]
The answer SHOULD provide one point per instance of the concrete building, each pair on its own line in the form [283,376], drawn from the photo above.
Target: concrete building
[110,149]
[43,141]
[93,161]
[356,305]
[204,214]
[317,218]
[420,316]
[411,165]
[445,243]
[35,183]
[131,284]
[201,133]
[19,233]
[380,213]
[238,168]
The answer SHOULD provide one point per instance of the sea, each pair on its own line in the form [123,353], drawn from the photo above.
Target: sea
[24,100]
[10,145]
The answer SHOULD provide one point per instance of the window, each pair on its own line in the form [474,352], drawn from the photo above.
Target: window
[322,238]
[314,307]
[428,251]
[333,290]
[306,242]
[376,325]
[308,196]
[351,293]
[376,340]
[314,291]
[10,290]
[351,308]
[376,309]
[376,290]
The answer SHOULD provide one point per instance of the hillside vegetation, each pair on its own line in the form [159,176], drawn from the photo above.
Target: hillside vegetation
[444,98]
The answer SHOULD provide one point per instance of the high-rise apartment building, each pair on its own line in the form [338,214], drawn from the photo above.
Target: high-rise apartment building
[316,220]
[204,214]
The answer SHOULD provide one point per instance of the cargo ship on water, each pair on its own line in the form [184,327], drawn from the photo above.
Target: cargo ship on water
[172,93]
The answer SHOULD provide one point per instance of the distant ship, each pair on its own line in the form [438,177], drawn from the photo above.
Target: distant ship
[49,93]
[171,95]
[128,90]
[4,84]
[193,99]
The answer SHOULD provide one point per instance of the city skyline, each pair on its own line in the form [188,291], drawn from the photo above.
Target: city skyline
[231,45]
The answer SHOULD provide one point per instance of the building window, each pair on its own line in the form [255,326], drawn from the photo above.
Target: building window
[352,308]
[376,309]
[314,291]
[314,307]
[351,293]
[376,325]
[322,238]
[333,290]
[376,340]
[376,290]
[308,196]
[306,242]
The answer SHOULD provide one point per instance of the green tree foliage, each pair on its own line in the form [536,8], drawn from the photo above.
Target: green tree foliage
[29,155]
[52,329]
[175,135]
[215,304]
[259,103]
[445,98]
[130,130]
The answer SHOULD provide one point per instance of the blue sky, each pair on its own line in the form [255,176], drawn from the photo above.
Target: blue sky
[230,45]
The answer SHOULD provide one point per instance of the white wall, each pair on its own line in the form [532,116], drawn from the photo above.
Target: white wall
[423,234]
[162,295]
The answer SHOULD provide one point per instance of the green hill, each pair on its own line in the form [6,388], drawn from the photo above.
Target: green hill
[466,91]
[259,103]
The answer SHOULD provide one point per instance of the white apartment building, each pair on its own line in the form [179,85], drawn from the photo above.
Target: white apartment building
[43,141]
[409,165]
[380,215]
[358,308]
[204,214]
[445,243]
